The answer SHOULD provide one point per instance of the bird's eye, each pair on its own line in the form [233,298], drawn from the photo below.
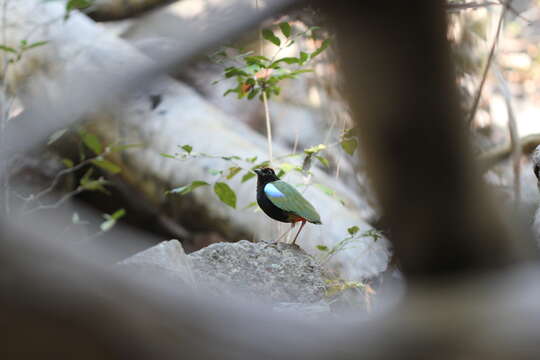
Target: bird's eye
[537,171]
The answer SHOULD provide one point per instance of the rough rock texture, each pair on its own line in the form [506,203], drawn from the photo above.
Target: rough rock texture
[281,274]
[166,261]
[275,272]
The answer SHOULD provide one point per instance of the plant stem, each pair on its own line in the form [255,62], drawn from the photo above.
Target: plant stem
[268,126]
[478,95]
[265,102]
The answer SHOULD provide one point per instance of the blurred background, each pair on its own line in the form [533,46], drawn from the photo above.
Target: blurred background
[126,124]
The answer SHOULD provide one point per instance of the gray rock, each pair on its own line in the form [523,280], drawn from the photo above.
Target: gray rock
[166,262]
[279,273]
[276,273]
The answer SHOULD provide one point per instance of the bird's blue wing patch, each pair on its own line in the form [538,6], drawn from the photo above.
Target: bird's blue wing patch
[272,191]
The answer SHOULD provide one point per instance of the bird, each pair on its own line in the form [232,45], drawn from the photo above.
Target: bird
[282,202]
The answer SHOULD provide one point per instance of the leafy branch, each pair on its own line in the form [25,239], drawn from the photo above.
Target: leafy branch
[346,243]
[258,75]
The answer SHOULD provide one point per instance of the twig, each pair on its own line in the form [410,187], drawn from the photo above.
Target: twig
[57,204]
[295,145]
[59,175]
[499,153]
[265,102]
[486,69]
[261,45]
[514,11]
[514,137]
[268,126]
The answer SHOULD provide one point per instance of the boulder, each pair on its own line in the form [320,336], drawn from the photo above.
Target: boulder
[280,274]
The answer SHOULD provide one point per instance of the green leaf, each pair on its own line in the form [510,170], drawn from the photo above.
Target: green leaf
[323,160]
[225,194]
[250,205]
[107,225]
[269,35]
[56,135]
[261,165]
[233,171]
[68,163]
[297,72]
[322,247]
[260,61]
[247,176]
[349,133]
[107,165]
[36,44]
[325,189]
[233,157]
[214,171]
[187,148]
[288,60]
[86,177]
[285,29]
[349,145]
[91,141]
[230,91]
[235,72]
[286,167]
[118,214]
[8,49]
[256,58]
[168,155]
[323,47]
[306,164]
[315,149]
[253,93]
[303,57]
[97,184]
[353,230]
[77,4]
[182,190]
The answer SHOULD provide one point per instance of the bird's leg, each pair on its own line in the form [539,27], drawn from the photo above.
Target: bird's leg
[285,233]
[298,233]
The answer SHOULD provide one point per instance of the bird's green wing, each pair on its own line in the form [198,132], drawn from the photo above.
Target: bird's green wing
[289,199]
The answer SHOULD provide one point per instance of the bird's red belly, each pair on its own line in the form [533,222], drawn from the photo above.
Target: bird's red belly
[295,218]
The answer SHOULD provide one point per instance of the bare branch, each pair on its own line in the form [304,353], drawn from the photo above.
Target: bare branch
[478,95]
[57,204]
[59,175]
[514,136]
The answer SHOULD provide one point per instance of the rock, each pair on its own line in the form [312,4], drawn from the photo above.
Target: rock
[166,261]
[281,274]
[274,272]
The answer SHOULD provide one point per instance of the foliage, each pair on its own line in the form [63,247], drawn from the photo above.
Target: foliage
[110,220]
[348,141]
[92,156]
[335,287]
[76,5]
[244,166]
[353,237]
[18,52]
[256,74]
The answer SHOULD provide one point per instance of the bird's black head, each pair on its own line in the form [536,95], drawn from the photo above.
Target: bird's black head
[266,175]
